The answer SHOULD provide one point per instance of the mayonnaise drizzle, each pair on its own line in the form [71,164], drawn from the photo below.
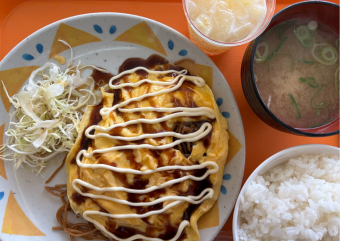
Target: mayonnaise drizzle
[200,111]
[155,135]
[137,236]
[199,135]
[184,71]
[147,190]
[191,199]
[180,78]
[191,137]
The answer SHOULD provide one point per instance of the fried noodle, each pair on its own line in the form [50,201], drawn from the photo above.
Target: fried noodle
[85,231]
[88,231]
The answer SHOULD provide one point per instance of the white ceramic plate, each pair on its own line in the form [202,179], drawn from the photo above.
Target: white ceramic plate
[27,211]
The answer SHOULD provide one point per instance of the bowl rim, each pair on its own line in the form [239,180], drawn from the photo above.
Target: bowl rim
[300,148]
[257,93]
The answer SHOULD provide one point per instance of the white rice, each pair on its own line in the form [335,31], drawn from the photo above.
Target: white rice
[299,200]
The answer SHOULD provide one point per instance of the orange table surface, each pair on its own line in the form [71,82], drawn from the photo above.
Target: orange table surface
[20,18]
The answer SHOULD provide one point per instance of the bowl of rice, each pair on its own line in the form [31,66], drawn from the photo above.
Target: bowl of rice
[293,195]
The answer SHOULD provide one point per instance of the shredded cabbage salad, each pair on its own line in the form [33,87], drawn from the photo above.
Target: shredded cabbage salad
[48,111]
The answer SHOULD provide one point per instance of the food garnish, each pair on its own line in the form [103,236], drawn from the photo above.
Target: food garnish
[310,81]
[48,111]
[328,53]
[295,105]
[259,58]
[308,50]
[303,34]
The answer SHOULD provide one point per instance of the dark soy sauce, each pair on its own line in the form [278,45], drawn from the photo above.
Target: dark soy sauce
[100,78]
[94,119]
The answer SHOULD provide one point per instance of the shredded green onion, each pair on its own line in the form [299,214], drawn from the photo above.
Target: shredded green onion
[323,123]
[258,57]
[328,49]
[302,33]
[305,61]
[313,85]
[276,55]
[322,106]
[318,112]
[277,49]
[268,32]
[308,62]
[295,105]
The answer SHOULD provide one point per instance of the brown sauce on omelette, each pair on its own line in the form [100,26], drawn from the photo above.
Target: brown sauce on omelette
[194,189]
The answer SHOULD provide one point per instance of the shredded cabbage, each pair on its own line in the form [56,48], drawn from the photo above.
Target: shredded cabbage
[48,112]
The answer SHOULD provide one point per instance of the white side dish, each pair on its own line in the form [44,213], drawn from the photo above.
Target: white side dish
[292,196]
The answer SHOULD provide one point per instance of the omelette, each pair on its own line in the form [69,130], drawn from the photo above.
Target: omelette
[149,159]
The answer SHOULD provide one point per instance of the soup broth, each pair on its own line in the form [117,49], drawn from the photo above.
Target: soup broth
[297,73]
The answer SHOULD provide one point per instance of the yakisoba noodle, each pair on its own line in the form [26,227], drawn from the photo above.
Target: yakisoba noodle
[81,182]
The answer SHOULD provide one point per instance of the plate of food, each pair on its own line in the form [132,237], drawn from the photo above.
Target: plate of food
[116,127]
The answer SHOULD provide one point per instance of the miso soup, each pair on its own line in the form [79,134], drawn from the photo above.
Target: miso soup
[297,73]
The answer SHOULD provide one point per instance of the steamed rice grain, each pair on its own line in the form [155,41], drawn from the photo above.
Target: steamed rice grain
[299,200]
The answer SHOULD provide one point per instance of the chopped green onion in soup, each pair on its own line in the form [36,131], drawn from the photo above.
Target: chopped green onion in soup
[300,77]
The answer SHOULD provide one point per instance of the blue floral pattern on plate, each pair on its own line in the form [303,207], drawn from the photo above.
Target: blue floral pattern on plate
[40,48]
[226,114]
[219,102]
[27,57]
[183,52]
[171,44]
[113,29]
[223,188]
[97,28]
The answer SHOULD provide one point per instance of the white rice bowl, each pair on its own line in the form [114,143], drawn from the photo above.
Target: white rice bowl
[297,200]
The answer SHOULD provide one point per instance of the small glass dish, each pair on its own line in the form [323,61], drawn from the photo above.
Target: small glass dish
[212,47]
[324,12]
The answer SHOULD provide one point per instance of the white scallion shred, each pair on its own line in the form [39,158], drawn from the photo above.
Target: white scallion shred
[49,110]
[312,25]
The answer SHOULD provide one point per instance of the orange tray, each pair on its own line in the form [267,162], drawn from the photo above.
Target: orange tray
[20,18]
